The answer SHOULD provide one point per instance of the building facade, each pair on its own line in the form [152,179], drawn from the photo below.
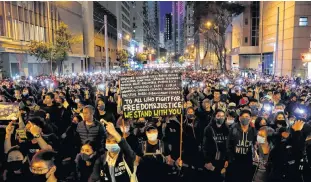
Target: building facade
[154,24]
[178,8]
[140,25]
[22,22]
[244,47]
[272,36]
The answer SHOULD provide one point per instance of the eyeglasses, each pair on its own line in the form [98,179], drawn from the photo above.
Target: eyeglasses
[39,170]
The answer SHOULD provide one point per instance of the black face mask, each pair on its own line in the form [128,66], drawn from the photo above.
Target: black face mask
[139,124]
[38,178]
[191,116]
[281,123]
[14,165]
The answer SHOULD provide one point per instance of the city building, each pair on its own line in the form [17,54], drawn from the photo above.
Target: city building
[139,18]
[178,8]
[99,11]
[168,27]
[273,37]
[189,25]
[154,24]
[162,44]
[189,50]
[22,22]
[244,50]
[168,36]
[121,10]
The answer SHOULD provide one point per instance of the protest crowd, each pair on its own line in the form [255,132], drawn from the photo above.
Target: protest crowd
[222,128]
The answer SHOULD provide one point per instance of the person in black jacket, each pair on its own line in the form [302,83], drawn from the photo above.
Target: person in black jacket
[285,157]
[85,160]
[205,113]
[240,143]
[214,146]
[102,113]
[117,164]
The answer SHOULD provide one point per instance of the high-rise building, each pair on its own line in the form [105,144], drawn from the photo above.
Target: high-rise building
[139,18]
[189,25]
[162,44]
[178,8]
[154,24]
[22,22]
[121,9]
[168,35]
[168,27]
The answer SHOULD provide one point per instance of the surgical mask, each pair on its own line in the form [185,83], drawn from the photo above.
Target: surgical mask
[291,122]
[261,139]
[152,137]
[253,107]
[245,121]
[114,148]
[230,121]
[101,108]
[25,93]
[15,165]
[77,101]
[125,129]
[220,121]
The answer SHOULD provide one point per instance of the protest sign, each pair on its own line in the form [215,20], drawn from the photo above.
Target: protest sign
[151,95]
[8,110]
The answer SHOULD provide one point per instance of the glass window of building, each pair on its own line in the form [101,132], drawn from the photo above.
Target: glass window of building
[303,21]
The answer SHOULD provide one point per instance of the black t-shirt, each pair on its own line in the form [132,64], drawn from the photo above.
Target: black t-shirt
[153,159]
[29,148]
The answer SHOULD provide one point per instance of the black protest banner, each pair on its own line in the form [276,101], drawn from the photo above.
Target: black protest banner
[151,95]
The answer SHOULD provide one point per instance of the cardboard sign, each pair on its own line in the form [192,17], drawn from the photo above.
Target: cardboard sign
[151,95]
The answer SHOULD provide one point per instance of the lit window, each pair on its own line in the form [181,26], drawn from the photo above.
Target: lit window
[303,21]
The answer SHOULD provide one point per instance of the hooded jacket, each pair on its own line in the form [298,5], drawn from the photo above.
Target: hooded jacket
[215,140]
[239,144]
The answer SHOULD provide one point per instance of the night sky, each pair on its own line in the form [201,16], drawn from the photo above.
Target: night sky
[165,7]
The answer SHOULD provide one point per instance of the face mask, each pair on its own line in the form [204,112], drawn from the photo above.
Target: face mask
[291,122]
[280,123]
[15,165]
[261,139]
[86,157]
[114,148]
[125,130]
[244,121]
[77,101]
[152,137]
[253,107]
[25,93]
[38,178]
[190,116]
[101,108]
[230,121]
[220,121]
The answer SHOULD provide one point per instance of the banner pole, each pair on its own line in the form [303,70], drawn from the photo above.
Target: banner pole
[181,124]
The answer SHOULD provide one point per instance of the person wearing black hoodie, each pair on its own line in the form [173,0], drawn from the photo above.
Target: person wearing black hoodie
[285,157]
[205,113]
[214,146]
[240,144]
